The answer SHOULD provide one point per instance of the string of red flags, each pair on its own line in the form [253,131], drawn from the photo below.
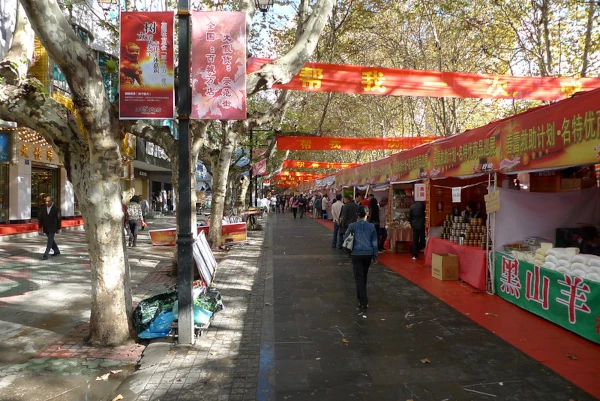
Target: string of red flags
[340,143]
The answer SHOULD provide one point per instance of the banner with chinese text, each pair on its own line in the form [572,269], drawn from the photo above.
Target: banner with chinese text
[562,298]
[146,77]
[260,167]
[320,77]
[218,65]
[340,143]
[563,134]
[361,174]
[380,171]
[312,164]
[410,165]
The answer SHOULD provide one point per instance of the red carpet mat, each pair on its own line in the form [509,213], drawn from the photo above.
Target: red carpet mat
[569,355]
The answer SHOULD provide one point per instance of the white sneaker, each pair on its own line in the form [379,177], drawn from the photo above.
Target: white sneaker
[414,258]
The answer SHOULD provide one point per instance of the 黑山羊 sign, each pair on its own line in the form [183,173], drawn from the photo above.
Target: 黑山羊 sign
[563,298]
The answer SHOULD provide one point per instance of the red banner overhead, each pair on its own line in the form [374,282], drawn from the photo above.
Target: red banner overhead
[320,77]
[310,164]
[338,143]
[300,174]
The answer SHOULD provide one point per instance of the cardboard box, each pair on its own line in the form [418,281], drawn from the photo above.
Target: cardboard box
[403,247]
[444,266]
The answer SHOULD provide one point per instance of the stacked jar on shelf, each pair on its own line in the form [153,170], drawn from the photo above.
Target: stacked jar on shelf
[454,228]
[476,233]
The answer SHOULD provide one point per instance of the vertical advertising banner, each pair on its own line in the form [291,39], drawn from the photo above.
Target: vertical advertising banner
[218,65]
[146,78]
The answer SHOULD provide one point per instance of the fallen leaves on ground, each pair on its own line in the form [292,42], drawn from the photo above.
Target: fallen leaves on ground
[345,341]
[409,326]
[103,377]
[268,303]
[118,398]
[425,360]
[572,356]
[115,372]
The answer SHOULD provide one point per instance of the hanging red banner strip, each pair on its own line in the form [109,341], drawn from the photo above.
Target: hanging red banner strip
[320,77]
[311,164]
[300,174]
[337,143]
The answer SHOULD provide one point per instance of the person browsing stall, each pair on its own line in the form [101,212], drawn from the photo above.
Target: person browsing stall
[470,212]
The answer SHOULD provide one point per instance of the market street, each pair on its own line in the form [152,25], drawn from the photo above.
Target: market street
[290,331]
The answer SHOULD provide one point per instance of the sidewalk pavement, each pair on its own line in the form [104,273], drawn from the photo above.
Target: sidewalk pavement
[45,308]
[291,331]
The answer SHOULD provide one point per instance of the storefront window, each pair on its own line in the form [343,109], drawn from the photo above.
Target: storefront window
[3,193]
[44,182]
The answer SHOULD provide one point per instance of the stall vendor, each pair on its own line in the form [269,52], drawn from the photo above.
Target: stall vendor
[470,212]
[590,243]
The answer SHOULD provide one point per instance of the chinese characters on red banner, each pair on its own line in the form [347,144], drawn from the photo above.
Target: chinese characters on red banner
[146,79]
[219,65]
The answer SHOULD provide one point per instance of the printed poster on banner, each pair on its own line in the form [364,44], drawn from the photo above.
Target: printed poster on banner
[260,167]
[146,77]
[420,192]
[218,65]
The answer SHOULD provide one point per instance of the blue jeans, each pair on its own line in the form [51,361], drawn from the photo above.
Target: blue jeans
[336,230]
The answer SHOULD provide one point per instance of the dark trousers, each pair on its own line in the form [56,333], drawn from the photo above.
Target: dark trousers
[360,265]
[133,231]
[51,244]
[336,232]
[294,211]
[418,241]
[302,211]
[382,235]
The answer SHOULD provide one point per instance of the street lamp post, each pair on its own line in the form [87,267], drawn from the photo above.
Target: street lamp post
[251,167]
[185,275]
[263,5]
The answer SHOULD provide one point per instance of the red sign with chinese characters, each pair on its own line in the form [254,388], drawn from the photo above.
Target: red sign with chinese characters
[320,77]
[146,79]
[260,167]
[410,165]
[340,143]
[219,65]
[311,164]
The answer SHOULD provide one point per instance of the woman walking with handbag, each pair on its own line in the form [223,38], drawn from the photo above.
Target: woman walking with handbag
[364,251]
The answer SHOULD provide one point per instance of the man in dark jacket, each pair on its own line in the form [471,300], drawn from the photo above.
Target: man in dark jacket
[348,215]
[416,218]
[49,224]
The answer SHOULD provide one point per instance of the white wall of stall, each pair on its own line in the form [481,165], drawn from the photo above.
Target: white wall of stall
[524,214]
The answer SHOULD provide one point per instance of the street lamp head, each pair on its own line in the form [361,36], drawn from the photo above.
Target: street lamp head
[263,5]
[270,140]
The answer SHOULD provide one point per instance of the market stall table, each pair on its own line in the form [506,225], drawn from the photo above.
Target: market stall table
[396,234]
[472,260]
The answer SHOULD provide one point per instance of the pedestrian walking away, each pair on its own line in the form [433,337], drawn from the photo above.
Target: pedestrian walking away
[347,216]
[336,209]
[303,203]
[135,219]
[383,213]
[295,204]
[49,224]
[144,206]
[416,218]
[364,251]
